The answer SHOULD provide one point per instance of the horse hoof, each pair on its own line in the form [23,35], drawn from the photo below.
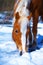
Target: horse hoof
[33,46]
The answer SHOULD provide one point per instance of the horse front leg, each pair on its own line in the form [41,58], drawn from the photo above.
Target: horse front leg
[34,29]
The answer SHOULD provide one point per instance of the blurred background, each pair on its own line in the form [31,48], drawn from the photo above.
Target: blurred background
[7,5]
[6,11]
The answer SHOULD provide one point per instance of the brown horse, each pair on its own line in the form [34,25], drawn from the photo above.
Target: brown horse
[21,30]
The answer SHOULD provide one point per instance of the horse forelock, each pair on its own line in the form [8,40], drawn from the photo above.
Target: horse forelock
[22,7]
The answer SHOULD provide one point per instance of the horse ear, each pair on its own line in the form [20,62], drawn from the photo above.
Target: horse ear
[17,16]
[29,17]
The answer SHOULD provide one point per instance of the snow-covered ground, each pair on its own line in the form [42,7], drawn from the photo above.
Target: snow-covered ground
[9,54]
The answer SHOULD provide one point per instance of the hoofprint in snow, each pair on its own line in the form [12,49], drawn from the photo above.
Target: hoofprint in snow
[9,55]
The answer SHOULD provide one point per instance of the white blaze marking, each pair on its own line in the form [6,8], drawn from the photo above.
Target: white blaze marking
[23,22]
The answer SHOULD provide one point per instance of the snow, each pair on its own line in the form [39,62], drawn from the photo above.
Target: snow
[40,30]
[9,55]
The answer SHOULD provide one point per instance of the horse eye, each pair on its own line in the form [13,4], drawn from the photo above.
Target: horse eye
[16,31]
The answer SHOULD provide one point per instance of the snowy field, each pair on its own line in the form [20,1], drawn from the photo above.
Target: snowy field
[9,54]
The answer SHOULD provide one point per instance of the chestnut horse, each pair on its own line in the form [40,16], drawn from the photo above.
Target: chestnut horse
[21,28]
[23,11]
